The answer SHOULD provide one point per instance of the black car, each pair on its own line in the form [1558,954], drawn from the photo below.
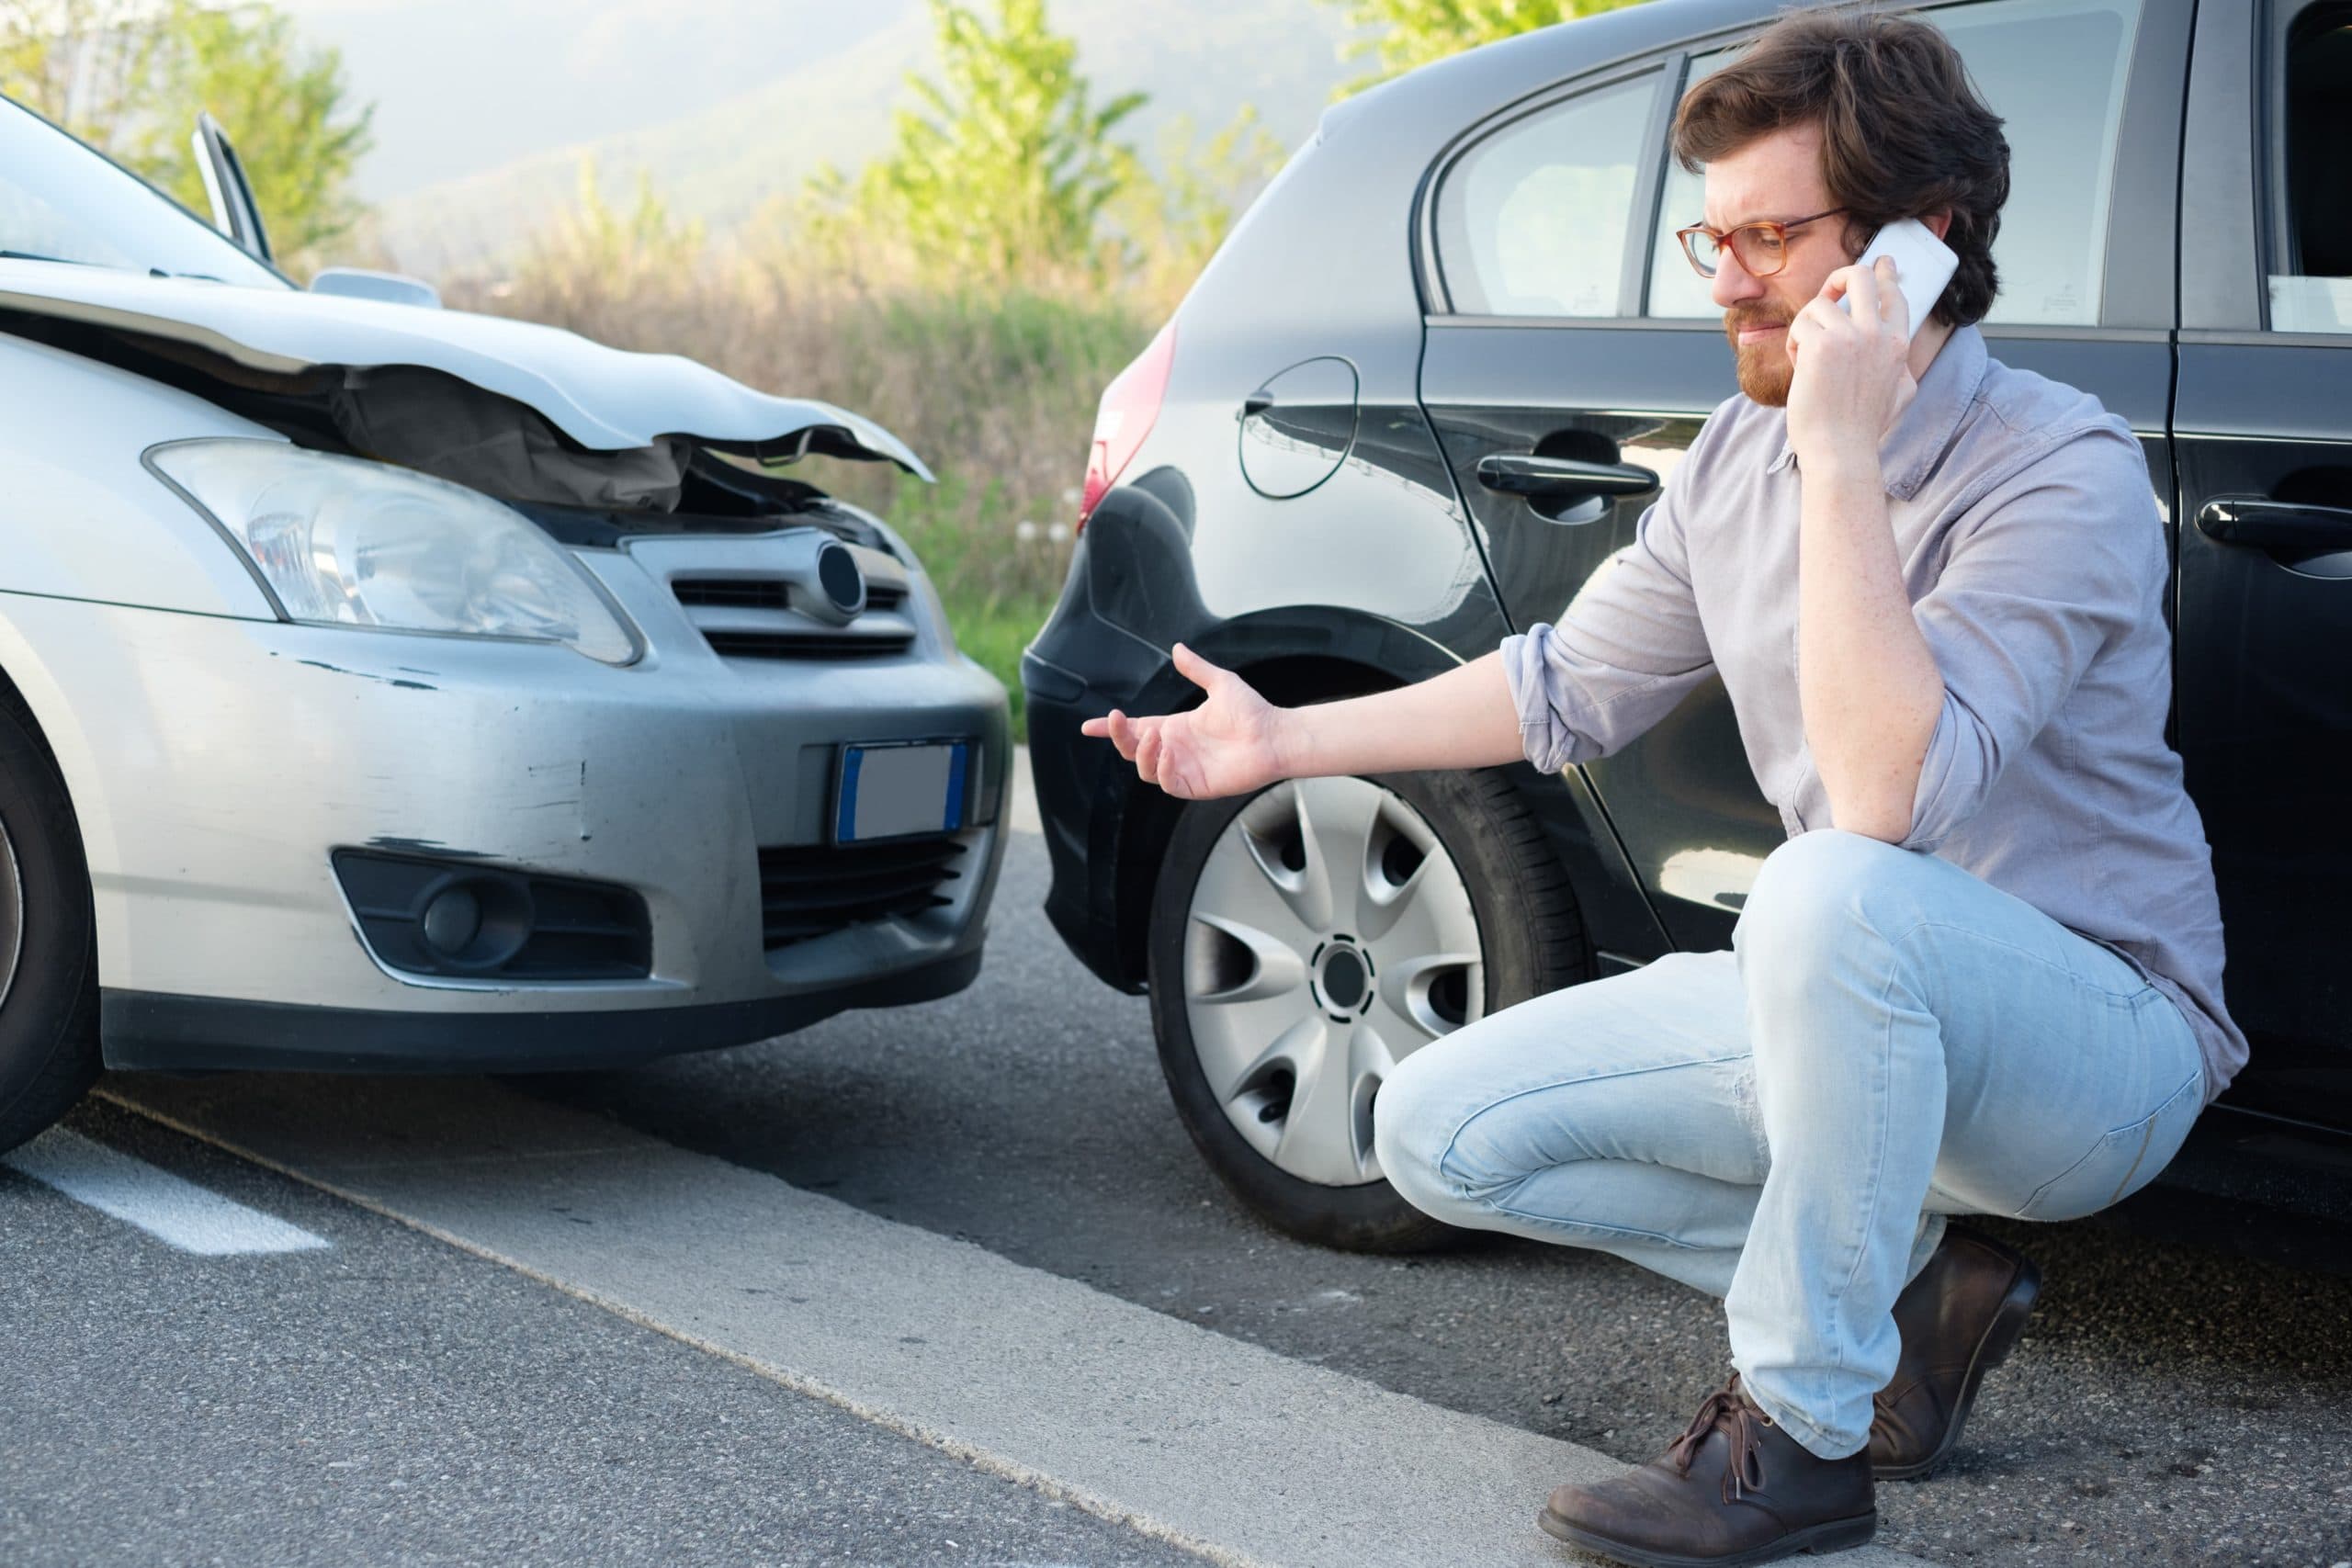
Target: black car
[1430,383]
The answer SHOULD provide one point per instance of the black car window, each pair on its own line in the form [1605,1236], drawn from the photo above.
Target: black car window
[2310,269]
[2053,70]
[1533,220]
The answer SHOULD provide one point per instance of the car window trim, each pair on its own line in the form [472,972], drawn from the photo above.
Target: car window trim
[2272,23]
[1649,187]
[2237,337]
[1438,297]
[2221,269]
[2267,80]
[1994,331]
[2140,280]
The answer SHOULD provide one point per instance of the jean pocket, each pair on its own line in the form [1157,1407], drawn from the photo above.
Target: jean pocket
[2120,1163]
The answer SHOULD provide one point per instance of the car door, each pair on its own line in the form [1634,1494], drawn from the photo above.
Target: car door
[2263,427]
[1572,353]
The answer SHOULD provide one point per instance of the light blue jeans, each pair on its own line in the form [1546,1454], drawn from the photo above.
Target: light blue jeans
[1786,1124]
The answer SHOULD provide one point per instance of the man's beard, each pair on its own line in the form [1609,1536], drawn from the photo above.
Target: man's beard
[1763,367]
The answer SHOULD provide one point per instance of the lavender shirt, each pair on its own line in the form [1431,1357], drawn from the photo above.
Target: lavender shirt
[2035,562]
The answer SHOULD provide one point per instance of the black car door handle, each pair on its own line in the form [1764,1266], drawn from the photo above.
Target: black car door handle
[2274,524]
[1556,478]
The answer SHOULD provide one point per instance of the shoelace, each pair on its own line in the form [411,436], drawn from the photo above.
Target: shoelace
[1745,1473]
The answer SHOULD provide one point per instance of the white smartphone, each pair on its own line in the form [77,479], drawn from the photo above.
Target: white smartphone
[1923,265]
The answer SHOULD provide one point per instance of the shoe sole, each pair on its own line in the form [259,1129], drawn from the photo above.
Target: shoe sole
[1834,1535]
[2000,1338]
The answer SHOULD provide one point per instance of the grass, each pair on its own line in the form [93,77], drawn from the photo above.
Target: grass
[994,633]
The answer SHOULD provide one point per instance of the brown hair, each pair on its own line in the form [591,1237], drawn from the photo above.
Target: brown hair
[1903,132]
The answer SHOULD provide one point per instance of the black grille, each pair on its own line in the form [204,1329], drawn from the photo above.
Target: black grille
[763,593]
[740,594]
[799,636]
[801,645]
[808,889]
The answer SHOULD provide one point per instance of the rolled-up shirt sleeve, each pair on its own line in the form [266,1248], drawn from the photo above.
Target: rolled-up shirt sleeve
[2050,565]
[1627,649]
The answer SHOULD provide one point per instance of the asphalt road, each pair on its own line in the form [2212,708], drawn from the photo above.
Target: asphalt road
[2179,1397]
[391,1399]
[2171,1402]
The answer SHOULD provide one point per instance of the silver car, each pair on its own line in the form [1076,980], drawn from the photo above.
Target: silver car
[389,687]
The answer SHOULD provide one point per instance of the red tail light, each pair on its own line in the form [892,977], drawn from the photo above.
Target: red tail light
[1130,403]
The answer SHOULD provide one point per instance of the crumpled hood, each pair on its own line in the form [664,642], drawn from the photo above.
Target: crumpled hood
[605,399]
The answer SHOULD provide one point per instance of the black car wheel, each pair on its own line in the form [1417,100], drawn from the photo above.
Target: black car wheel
[49,993]
[1306,939]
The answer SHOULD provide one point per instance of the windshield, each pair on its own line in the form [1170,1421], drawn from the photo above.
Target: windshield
[61,201]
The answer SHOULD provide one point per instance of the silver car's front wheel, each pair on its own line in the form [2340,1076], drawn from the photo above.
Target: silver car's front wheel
[1306,939]
[49,1035]
[1330,937]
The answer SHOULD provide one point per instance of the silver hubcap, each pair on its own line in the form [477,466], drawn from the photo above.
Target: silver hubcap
[1329,938]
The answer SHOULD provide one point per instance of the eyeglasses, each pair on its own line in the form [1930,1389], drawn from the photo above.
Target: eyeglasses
[1763,247]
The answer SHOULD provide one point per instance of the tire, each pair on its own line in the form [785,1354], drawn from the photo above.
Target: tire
[1300,983]
[48,982]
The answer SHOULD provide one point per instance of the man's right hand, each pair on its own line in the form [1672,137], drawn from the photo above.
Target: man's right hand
[1228,745]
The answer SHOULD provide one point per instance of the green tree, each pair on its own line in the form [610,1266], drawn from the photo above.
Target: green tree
[1402,34]
[1176,222]
[131,78]
[1003,172]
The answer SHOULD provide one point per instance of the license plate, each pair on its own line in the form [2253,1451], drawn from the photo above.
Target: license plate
[890,789]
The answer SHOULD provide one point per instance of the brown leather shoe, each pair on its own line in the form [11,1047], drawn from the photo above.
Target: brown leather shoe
[1735,1488]
[1958,1319]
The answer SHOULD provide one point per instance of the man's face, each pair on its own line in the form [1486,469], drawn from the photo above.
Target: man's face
[1776,176]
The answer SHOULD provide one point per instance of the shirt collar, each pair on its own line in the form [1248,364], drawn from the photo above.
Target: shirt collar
[1908,453]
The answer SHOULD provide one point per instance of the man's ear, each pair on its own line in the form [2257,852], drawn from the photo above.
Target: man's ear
[1938,222]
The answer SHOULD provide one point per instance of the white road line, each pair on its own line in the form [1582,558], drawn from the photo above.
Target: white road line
[178,1214]
[1238,1452]
[1020,811]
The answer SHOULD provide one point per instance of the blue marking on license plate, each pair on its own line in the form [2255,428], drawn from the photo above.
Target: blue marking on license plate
[954,789]
[845,825]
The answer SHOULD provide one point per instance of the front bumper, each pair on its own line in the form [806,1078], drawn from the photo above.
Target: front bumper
[215,764]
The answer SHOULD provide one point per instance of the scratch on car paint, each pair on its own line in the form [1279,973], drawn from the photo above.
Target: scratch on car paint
[369,675]
[577,800]
[425,846]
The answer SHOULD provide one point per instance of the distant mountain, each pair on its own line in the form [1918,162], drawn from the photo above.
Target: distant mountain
[718,155]
[461,87]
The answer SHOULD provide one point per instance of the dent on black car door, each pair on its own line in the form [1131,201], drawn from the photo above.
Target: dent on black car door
[2263,430]
[1536,358]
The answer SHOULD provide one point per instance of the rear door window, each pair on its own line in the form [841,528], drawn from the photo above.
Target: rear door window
[2309,275]
[2054,70]
[1533,219]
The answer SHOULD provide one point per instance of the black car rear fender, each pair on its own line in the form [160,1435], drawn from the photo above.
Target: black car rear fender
[1132,595]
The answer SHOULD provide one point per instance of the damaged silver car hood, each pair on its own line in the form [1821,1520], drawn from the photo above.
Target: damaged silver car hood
[607,400]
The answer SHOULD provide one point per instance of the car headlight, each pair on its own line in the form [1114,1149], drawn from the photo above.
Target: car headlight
[345,542]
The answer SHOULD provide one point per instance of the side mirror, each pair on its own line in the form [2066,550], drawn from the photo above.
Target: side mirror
[361,283]
[234,212]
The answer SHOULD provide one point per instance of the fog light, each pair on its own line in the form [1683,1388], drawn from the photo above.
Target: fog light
[432,917]
[452,921]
